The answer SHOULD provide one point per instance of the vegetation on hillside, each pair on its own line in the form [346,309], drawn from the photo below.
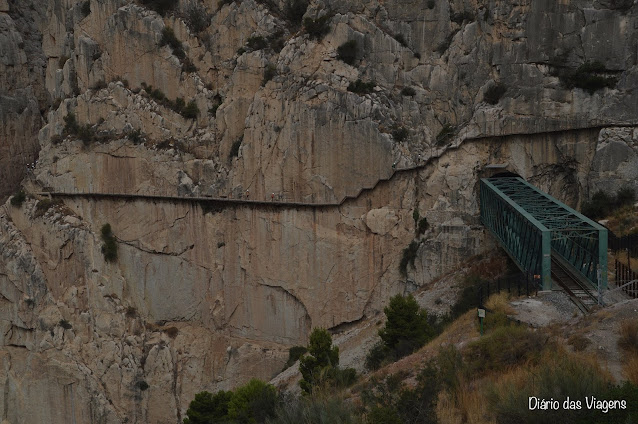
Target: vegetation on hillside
[602,204]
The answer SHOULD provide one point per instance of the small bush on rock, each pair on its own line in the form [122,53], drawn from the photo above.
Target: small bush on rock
[109,248]
[494,93]
[196,17]
[408,91]
[294,10]
[361,87]
[587,77]
[317,28]
[347,52]
[18,199]
[160,6]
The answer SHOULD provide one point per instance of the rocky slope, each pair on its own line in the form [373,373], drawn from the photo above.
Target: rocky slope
[206,299]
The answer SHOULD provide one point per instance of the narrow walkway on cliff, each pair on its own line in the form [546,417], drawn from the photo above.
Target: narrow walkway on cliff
[471,131]
[546,238]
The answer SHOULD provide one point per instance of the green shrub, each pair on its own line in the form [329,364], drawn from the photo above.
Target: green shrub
[322,357]
[160,6]
[423,226]
[65,324]
[277,41]
[18,199]
[587,77]
[361,87]
[222,3]
[136,136]
[468,296]
[347,52]
[109,248]
[503,347]
[408,258]
[625,196]
[602,204]
[408,91]
[389,401]
[86,8]
[254,402]
[462,17]
[431,4]
[269,73]
[170,39]
[70,124]
[131,312]
[599,206]
[494,93]
[190,111]
[314,409]
[407,327]
[256,43]
[187,65]
[377,357]
[400,134]
[294,10]
[317,28]
[196,17]
[208,408]
[234,149]
[401,39]
[142,385]
[294,353]
[446,134]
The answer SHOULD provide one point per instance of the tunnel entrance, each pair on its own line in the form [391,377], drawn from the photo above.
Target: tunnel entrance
[506,174]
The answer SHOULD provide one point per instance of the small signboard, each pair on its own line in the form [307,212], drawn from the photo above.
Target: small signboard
[481,313]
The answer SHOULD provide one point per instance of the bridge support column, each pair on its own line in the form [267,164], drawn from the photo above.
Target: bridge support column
[602,257]
[546,259]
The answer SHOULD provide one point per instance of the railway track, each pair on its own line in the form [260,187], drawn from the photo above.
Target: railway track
[579,293]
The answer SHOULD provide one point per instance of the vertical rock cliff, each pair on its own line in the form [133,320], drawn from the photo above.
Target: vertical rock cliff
[243,100]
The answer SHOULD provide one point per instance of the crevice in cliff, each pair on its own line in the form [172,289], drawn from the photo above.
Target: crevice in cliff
[289,294]
[347,325]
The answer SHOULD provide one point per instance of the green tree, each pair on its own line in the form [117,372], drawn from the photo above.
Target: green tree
[253,402]
[321,360]
[208,408]
[407,327]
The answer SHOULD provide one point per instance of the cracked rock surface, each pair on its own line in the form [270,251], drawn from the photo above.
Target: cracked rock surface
[207,296]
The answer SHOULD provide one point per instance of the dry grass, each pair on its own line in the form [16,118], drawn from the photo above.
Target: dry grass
[622,257]
[628,340]
[623,221]
[489,268]
[500,302]
[578,342]
[631,369]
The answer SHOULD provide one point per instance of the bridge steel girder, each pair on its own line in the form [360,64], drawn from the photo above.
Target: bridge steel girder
[524,238]
[578,240]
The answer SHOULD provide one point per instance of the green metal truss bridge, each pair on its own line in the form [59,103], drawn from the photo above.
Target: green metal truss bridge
[543,236]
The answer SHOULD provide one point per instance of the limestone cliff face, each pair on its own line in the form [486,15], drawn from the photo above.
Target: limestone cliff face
[203,299]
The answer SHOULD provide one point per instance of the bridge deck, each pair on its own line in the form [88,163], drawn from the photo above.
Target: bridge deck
[532,226]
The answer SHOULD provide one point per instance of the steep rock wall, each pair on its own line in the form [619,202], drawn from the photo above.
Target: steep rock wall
[205,300]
